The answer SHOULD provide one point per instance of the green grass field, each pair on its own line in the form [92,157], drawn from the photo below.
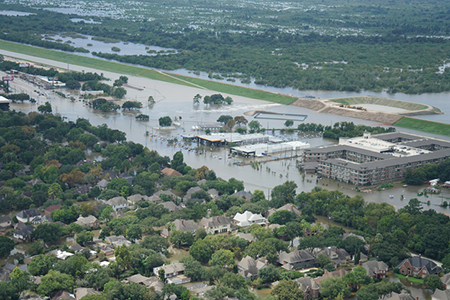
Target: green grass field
[103,65]
[410,278]
[380,101]
[424,125]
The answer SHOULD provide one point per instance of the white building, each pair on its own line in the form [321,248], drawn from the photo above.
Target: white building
[248,218]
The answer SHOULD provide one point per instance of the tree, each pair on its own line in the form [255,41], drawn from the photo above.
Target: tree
[40,265]
[55,191]
[201,251]
[288,123]
[73,84]
[119,92]
[165,121]
[282,217]
[123,256]
[162,275]
[48,232]
[323,260]
[282,194]
[240,120]
[151,99]
[197,99]
[134,232]
[45,108]
[74,177]
[357,278]
[269,274]
[156,243]
[433,282]
[224,119]
[231,123]
[288,290]
[223,258]
[331,287]
[55,281]
[194,269]
[84,237]
[98,276]
[254,125]
[6,245]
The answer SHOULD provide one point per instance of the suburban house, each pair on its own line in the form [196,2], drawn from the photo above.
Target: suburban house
[316,228]
[89,221]
[76,248]
[27,215]
[117,203]
[170,172]
[5,222]
[60,254]
[338,273]
[417,265]
[171,270]
[337,255]
[441,295]
[102,184]
[249,267]
[147,281]
[106,249]
[376,269]
[246,236]
[244,195]
[23,234]
[133,199]
[34,181]
[62,295]
[117,240]
[81,292]
[404,295]
[248,218]
[168,193]
[446,280]
[170,206]
[309,286]
[117,214]
[296,260]
[42,219]
[215,225]
[52,208]
[213,193]
[288,207]
[191,191]
[154,199]
[181,225]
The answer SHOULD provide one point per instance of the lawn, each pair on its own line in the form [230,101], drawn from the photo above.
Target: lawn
[410,278]
[424,125]
[145,72]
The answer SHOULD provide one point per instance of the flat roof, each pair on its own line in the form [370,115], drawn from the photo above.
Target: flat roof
[259,149]
[4,100]
[234,137]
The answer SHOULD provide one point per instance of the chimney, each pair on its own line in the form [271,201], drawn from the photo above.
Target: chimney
[360,262]
[217,219]
[292,208]
[182,222]
[420,255]
[335,249]
[299,253]
[266,262]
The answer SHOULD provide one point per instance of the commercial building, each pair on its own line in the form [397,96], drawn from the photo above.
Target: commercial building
[372,160]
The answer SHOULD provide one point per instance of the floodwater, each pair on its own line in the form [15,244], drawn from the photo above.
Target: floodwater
[176,101]
[439,100]
[99,46]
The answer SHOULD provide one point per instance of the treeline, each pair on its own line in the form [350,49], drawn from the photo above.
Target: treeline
[390,233]
[349,129]
[419,175]
[34,41]
[390,61]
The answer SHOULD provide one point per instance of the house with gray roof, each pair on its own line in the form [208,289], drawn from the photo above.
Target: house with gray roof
[133,199]
[288,207]
[118,240]
[170,206]
[243,194]
[190,192]
[249,267]
[42,219]
[246,236]
[102,184]
[213,193]
[404,295]
[418,266]
[441,295]
[172,270]
[309,286]
[376,269]
[34,181]
[23,234]
[82,292]
[446,280]
[337,255]
[5,222]
[149,282]
[117,203]
[89,221]
[296,260]
[181,225]
[168,193]
[27,215]
[215,225]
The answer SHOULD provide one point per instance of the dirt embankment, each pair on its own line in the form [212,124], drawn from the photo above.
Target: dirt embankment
[329,107]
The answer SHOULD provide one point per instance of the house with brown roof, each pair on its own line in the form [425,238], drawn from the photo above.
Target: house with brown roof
[181,225]
[288,207]
[52,208]
[170,172]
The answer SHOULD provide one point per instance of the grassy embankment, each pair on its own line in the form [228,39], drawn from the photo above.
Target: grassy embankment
[410,278]
[380,101]
[103,65]
[424,125]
